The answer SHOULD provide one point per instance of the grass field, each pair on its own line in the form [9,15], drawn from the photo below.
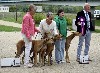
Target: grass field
[97,22]
[9,28]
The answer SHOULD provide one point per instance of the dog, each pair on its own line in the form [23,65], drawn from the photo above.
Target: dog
[38,46]
[21,48]
[68,42]
[50,46]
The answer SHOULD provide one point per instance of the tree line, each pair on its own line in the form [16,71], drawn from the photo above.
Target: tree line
[47,8]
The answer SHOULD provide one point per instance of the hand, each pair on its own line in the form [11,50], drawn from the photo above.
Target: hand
[58,36]
[38,31]
[78,23]
[30,39]
[80,34]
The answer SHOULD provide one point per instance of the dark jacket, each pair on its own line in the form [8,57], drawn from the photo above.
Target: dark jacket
[82,14]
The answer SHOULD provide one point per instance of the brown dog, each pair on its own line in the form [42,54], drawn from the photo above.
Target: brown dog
[21,48]
[38,46]
[50,46]
[68,42]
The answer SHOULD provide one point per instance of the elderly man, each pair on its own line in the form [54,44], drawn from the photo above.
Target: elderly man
[85,30]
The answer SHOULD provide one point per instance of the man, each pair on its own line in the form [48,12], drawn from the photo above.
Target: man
[84,26]
[28,30]
[60,44]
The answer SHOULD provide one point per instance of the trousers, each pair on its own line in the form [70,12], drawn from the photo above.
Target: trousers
[28,46]
[87,38]
[59,49]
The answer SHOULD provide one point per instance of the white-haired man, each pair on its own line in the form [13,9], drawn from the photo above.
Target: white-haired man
[86,31]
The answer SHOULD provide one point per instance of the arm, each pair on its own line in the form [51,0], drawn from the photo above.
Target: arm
[57,23]
[41,28]
[77,22]
[32,24]
[55,29]
[26,26]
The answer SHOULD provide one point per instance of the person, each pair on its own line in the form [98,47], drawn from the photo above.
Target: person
[61,24]
[28,30]
[86,32]
[48,26]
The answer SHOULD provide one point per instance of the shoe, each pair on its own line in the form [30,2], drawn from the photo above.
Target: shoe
[58,62]
[28,65]
[89,59]
[62,61]
[78,60]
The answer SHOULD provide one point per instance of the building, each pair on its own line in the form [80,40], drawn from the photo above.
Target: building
[4,9]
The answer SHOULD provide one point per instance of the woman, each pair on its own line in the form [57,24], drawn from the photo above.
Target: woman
[28,30]
[60,44]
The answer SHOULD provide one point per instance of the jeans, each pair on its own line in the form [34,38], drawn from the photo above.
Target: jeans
[59,49]
[87,38]
[28,46]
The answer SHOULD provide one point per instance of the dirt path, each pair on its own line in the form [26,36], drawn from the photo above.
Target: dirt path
[8,42]
[8,47]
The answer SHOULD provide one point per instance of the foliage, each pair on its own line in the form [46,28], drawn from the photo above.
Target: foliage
[19,8]
[97,8]
[38,17]
[12,8]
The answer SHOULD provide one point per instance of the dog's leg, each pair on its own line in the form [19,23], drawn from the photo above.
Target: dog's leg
[31,51]
[49,60]
[23,58]
[35,59]
[66,49]
[67,57]
[40,56]
[43,61]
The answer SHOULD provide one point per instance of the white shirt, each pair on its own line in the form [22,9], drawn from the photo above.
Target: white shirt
[87,19]
[45,28]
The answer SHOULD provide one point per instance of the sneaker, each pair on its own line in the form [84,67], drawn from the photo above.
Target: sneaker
[29,65]
[62,61]
[78,60]
[58,62]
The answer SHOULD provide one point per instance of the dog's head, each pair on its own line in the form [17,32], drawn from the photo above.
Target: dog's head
[57,37]
[49,41]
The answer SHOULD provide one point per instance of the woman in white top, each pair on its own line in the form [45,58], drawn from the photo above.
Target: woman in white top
[48,25]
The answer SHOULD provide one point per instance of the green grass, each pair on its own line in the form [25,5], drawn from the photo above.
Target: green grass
[97,22]
[9,28]
[97,31]
[10,19]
